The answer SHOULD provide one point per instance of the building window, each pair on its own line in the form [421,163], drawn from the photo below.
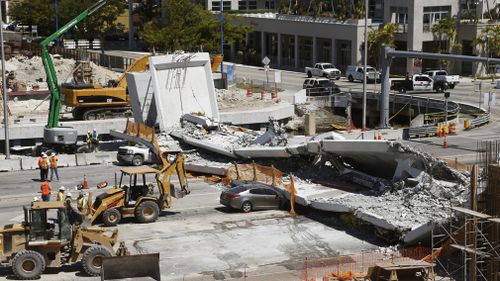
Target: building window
[433,15]
[226,5]
[252,5]
[242,5]
[399,16]
[270,4]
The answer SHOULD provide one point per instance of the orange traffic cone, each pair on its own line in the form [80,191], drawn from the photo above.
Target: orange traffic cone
[445,143]
[380,136]
[85,182]
[375,135]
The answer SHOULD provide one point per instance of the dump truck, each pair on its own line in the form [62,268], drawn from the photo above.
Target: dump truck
[48,238]
[96,101]
[134,196]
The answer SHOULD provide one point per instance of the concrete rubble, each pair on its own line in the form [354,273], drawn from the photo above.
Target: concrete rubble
[383,183]
[31,71]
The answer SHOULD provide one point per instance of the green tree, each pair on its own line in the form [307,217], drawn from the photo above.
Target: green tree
[445,33]
[187,26]
[379,37]
[42,14]
[489,40]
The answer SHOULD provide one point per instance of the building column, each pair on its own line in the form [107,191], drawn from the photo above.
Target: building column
[279,49]
[333,60]
[263,51]
[296,50]
[314,52]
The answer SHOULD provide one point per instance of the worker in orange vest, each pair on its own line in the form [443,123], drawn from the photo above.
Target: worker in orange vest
[45,190]
[53,166]
[43,164]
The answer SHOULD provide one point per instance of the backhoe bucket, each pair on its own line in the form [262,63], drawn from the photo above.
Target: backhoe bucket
[134,266]
[177,192]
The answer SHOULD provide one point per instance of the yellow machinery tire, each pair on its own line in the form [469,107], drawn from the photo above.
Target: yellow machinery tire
[111,217]
[147,211]
[92,259]
[28,265]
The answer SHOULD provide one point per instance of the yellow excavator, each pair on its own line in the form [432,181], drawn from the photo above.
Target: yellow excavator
[95,101]
[134,196]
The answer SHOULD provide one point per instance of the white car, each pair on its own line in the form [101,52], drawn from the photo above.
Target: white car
[354,73]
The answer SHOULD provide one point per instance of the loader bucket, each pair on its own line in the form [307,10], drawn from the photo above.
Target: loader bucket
[133,266]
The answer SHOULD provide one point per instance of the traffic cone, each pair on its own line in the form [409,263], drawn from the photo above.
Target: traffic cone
[379,136]
[375,135]
[85,182]
[445,143]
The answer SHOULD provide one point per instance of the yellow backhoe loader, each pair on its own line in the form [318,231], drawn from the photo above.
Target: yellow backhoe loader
[49,238]
[95,101]
[135,197]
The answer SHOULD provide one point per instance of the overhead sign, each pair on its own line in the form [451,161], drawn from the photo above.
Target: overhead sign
[266,60]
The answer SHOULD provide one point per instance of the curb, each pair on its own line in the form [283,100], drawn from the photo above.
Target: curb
[65,160]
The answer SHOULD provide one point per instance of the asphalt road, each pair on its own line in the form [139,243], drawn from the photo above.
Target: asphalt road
[199,239]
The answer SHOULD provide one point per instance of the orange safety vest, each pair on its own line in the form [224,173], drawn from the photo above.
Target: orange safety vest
[45,187]
[53,162]
[42,163]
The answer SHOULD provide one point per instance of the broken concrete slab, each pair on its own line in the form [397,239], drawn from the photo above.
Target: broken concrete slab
[183,83]
[141,93]
[280,111]
[262,152]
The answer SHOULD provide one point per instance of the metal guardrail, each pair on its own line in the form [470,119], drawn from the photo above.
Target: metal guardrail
[420,132]
[479,121]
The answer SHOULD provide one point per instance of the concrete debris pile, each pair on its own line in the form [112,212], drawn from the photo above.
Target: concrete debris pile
[235,99]
[230,141]
[31,71]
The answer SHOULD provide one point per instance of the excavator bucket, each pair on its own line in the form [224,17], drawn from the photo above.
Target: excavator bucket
[129,267]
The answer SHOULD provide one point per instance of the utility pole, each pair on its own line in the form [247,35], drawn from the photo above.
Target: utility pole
[130,25]
[221,38]
[365,63]
[56,9]
[5,97]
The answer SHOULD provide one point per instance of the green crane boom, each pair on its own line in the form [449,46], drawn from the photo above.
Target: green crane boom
[55,90]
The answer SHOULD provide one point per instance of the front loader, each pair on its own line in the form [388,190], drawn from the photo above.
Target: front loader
[49,238]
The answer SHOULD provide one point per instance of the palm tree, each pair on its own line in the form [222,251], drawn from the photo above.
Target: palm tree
[377,38]
[446,31]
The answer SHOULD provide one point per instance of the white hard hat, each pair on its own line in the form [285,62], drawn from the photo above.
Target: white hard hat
[36,199]
[43,154]
[81,193]
[68,194]
[53,154]
[62,188]
[88,131]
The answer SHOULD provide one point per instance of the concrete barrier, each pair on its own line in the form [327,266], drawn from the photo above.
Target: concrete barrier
[8,165]
[102,157]
[66,160]
[29,163]
[81,159]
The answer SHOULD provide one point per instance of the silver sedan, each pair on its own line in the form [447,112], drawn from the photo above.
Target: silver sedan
[253,196]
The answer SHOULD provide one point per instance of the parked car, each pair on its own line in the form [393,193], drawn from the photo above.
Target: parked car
[320,87]
[135,155]
[419,82]
[323,69]
[354,73]
[442,76]
[253,196]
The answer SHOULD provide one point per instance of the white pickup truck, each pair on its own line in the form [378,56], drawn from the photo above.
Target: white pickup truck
[135,155]
[442,76]
[323,69]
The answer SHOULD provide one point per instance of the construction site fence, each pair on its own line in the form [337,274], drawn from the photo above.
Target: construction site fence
[319,269]
[116,63]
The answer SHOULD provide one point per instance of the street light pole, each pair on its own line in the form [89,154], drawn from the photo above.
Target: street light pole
[56,9]
[130,25]
[365,62]
[5,97]
[221,38]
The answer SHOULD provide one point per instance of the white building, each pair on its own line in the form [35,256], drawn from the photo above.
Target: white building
[294,41]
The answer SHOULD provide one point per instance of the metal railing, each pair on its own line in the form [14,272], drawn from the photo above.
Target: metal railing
[479,121]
